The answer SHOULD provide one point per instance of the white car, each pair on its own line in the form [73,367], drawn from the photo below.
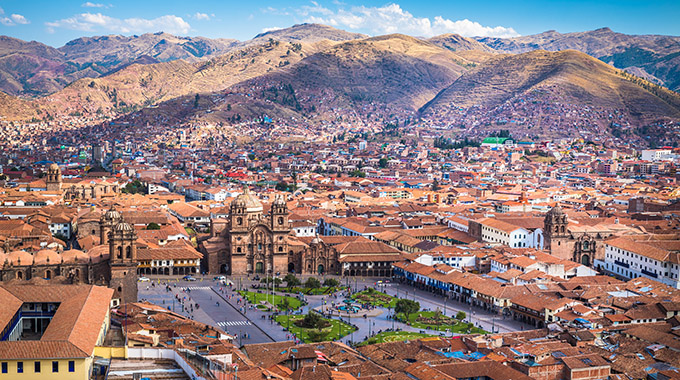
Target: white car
[144,279]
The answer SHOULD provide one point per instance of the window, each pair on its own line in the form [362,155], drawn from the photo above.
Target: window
[71,366]
[55,366]
[4,367]
[20,367]
[37,367]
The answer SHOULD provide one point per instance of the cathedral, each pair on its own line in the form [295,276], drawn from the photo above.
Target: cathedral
[252,242]
[113,264]
[578,241]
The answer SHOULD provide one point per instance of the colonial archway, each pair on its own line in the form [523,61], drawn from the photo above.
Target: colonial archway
[154,271]
[166,271]
[320,269]
[259,267]
[48,274]
[291,267]
[175,271]
[585,260]
[224,268]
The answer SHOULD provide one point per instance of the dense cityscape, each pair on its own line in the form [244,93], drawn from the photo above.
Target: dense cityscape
[318,204]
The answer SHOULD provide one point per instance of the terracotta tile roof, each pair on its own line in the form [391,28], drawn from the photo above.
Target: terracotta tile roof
[74,328]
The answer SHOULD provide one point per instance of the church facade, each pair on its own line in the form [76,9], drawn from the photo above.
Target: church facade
[113,264]
[252,242]
[580,243]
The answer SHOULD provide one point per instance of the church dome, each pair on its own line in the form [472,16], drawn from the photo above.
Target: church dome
[555,212]
[47,256]
[248,201]
[74,256]
[122,226]
[112,214]
[20,258]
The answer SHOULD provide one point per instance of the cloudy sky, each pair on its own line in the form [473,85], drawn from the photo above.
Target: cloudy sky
[57,22]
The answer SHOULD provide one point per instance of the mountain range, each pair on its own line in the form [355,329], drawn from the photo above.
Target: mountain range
[308,71]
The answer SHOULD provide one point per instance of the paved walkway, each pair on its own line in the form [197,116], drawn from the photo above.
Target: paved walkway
[237,317]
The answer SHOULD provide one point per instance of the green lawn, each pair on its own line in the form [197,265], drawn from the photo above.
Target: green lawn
[394,336]
[256,298]
[310,291]
[335,331]
[375,298]
[418,320]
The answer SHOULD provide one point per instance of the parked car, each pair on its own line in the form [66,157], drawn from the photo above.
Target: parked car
[219,278]
[188,278]
[144,279]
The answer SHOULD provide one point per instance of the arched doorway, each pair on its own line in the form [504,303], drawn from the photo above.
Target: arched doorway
[259,267]
[166,271]
[48,274]
[224,268]
[175,271]
[291,267]
[320,269]
[585,260]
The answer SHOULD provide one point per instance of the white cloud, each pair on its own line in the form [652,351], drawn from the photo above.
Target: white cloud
[95,5]
[265,30]
[202,16]
[13,19]
[392,18]
[91,22]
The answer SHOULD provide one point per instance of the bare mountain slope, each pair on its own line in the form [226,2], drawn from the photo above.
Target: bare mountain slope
[576,77]
[649,56]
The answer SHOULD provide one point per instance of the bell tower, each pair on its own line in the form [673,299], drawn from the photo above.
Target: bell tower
[123,261]
[279,213]
[53,178]
[556,233]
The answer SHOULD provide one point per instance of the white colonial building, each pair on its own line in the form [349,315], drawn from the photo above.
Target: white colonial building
[642,256]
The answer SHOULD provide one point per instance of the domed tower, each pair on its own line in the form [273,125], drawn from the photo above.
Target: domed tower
[53,178]
[555,231]
[123,262]
[279,215]
[107,222]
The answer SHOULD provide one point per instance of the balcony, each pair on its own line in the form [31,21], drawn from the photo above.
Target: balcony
[650,274]
[621,264]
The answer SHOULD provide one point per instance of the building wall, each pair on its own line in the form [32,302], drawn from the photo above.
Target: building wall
[82,368]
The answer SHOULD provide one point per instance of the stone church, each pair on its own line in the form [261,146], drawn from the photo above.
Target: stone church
[111,264]
[578,241]
[252,242]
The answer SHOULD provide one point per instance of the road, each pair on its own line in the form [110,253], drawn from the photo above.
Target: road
[254,326]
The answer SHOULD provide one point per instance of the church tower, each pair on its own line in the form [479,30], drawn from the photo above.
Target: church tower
[123,261]
[556,234]
[107,222]
[53,178]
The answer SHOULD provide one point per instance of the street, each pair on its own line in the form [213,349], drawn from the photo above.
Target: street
[223,307]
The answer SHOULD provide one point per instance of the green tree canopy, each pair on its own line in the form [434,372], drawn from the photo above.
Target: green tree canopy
[153,226]
[407,307]
[312,283]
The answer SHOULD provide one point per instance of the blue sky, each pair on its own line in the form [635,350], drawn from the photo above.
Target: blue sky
[56,22]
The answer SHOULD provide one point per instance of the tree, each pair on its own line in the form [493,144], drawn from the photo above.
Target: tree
[281,186]
[382,162]
[291,280]
[407,307]
[312,283]
[331,282]
[153,226]
[358,173]
[460,315]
